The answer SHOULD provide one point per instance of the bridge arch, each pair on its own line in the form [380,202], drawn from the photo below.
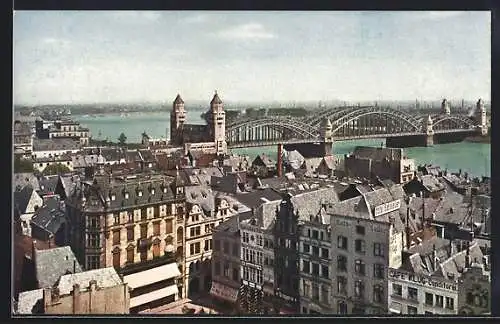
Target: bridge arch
[375,120]
[452,122]
[269,128]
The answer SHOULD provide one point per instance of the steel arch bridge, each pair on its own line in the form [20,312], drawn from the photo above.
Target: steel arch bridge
[358,122]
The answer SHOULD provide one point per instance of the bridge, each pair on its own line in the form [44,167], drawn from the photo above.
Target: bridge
[348,123]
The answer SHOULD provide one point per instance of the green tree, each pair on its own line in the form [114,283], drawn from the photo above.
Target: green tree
[22,165]
[56,168]
[122,139]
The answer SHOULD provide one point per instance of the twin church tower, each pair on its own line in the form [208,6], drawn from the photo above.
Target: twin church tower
[211,136]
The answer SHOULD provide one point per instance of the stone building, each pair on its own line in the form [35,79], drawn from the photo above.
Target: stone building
[226,261]
[134,223]
[62,129]
[204,212]
[381,162]
[211,136]
[443,277]
[99,291]
[23,138]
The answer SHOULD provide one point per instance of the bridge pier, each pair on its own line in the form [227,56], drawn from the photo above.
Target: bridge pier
[409,141]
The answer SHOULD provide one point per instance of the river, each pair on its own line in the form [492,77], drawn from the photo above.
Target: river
[474,158]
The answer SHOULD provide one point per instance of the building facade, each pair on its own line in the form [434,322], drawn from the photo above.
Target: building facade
[212,135]
[135,224]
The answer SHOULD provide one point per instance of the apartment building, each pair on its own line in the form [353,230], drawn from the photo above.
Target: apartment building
[442,277]
[134,223]
[204,212]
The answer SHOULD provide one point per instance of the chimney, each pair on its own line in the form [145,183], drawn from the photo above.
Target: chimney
[33,252]
[280,159]
[407,228]
[434,261]
[467,256]
[74,266]
[76,298]
[423,208]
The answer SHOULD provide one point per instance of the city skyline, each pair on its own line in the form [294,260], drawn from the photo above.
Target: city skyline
[107,57]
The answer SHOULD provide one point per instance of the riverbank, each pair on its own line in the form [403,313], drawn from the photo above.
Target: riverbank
[478,139]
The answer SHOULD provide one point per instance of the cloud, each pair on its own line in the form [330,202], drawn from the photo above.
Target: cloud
[136,16]
[196,19]
[247,31]
[434,15]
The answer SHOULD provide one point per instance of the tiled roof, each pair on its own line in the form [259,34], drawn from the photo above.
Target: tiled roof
[201,196]
[48,184]
[82,161]
[49,217]
[69,183]
[22,198]
[105,278]
[431,183]
[51,264]
[456,263]
[29,302]
[378,153]
[55,144]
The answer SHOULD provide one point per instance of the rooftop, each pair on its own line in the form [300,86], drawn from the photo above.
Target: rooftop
[51,264]
[105,278]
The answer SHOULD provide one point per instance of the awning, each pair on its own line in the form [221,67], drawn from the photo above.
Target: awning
[153,275]
[154,295]
[224,292]
[395,308]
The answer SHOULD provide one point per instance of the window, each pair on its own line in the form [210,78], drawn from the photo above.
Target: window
[216,245]
[236,274]
[130,216]
[429,299]
[341,307]
[412,310]
[359,267]
[428,313]
[378,249]
[144,231]
[378,271]
[324,294]
[259,240]
[156,228]
[359,289]
[93,222]
[116,219]
[306,286]
[116,237]
[315,234]
[156,249]
[470,298]
[306,266]
[236,250]
[116,258]
[195,231]
[315,291]
[450,303]
[378,293]
[226,269]
[397,289]
[439,301]
[168,226]
[93,240]
[342,263]
[341,285]
[412,293]
[226,247]
[208,245]
[144,213]
[245,237]
[307,248]
[130,255]
[324,272]
[360,230]
[194,248]
[342,242]
[315,250]
[207,228]
[217,268]
[359,246]
[315,269]
[144,255]
[324,253]
[92,262]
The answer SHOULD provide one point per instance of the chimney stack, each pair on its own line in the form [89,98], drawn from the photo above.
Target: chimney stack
[74,266]
[280,160]
[407,228]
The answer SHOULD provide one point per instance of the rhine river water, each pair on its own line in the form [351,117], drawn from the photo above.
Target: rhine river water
[473,158]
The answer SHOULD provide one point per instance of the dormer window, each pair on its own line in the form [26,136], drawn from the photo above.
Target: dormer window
[139,193]
[164,189]
[113,197]
[126,195]
[153,191]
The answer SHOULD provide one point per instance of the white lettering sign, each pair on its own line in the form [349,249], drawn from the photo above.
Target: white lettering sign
[387,208]
[424,280]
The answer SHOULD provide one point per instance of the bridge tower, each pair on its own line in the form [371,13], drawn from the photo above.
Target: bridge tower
[445,107]
[217,124]
[177,120]
[429,132]
[327,137]
[481,117]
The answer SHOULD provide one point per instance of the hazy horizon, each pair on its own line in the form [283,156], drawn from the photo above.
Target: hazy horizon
[118,57]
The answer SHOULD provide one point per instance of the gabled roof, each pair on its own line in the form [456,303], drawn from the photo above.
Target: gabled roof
[105,278]
[22,198]
[49,217]
[51,264]
[29,302]
[48,184]
[23,179]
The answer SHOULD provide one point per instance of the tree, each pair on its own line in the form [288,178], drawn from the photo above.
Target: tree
[122,139]
[56,168]
[22,165]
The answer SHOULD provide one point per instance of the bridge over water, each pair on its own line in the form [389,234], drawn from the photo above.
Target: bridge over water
[355,122]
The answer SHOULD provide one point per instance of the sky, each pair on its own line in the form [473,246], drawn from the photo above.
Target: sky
[63,57]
